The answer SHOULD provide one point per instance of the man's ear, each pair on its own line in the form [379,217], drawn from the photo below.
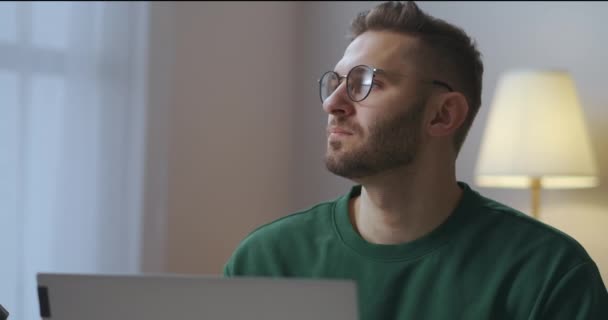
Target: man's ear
[449,114]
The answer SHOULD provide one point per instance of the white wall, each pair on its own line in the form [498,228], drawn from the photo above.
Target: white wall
[244,147]
[229,128]
[161,59]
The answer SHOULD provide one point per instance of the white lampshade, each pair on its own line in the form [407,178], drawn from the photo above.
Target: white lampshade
[536,129]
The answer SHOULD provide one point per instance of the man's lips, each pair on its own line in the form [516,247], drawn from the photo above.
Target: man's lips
[338,131]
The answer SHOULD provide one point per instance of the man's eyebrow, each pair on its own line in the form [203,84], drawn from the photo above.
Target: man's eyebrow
[385,74]
[382,72]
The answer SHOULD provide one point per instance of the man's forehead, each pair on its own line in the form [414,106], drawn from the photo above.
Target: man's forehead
[380,49]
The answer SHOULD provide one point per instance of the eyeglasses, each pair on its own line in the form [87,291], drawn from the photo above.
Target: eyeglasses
[359,83]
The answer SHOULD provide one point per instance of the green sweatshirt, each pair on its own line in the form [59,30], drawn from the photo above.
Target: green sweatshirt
[486,261]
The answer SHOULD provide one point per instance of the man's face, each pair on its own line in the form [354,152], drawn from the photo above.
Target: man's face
[383,131]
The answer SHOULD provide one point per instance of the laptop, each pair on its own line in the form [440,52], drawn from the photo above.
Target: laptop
[186,297]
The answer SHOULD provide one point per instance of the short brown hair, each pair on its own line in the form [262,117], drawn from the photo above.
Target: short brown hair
[447,49]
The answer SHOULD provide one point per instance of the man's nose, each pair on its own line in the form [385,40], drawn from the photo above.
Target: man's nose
[338,103]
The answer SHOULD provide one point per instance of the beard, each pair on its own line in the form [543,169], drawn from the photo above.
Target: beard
[392,143]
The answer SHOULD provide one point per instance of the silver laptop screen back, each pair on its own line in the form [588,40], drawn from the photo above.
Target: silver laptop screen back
[162,297]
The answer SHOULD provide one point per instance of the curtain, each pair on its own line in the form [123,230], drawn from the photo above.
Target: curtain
[72,124]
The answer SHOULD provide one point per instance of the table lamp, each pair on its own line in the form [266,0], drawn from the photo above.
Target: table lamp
[536,136]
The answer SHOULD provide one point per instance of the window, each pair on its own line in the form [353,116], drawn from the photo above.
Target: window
[71,142]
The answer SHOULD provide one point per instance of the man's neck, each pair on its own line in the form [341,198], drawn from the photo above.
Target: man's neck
[404,205]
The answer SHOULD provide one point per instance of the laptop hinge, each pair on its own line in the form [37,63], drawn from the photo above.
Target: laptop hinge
[3,313]
[43,299]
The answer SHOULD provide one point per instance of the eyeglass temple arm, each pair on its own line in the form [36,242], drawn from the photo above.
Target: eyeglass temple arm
[443,84]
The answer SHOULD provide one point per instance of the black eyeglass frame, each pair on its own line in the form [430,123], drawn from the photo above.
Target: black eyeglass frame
[374,71]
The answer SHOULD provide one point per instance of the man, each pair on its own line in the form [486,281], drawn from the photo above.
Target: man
[419,243]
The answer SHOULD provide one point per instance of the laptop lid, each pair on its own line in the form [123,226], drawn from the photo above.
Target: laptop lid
[183,297]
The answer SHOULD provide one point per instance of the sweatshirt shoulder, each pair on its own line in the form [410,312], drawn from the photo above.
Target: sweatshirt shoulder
[262,245]
[294,222]
[524,230]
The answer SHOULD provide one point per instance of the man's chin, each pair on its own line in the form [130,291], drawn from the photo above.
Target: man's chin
[333,164]
[348,175]
[341,168]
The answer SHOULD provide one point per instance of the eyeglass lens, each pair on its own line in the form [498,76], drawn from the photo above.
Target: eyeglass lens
[358,83]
